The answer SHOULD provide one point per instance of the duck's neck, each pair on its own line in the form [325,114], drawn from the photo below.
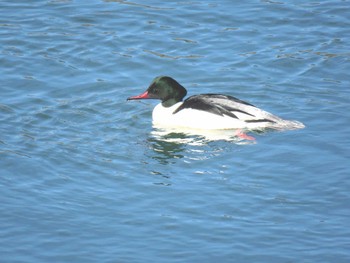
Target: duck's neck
[170,102]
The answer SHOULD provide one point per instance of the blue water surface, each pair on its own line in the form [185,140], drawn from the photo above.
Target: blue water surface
[83,176]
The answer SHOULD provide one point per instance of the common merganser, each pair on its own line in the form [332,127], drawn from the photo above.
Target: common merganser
[207,111]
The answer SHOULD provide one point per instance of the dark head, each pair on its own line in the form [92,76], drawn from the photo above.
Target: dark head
[164,88]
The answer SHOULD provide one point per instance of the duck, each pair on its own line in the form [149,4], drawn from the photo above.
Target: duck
[208,111]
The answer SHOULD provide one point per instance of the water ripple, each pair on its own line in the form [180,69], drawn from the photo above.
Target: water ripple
[82,169]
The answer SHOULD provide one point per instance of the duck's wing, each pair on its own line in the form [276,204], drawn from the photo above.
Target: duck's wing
[226,105]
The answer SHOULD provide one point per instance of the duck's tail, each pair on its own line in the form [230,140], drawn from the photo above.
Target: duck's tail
[283,125]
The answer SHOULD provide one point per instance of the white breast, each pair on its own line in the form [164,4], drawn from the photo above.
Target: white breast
[191,118]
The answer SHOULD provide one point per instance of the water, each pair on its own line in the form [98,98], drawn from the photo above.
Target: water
[84,178]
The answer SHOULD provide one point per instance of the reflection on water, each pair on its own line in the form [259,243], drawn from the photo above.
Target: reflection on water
[169,144]
[170,147]
[197,136]
[166,147]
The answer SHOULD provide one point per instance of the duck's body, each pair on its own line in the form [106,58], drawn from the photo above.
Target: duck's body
[207,111]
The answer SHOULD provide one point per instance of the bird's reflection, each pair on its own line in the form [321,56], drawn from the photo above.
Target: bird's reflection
[166,147]
[169,144]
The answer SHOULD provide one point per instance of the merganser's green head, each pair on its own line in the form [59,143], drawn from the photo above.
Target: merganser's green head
[164,88]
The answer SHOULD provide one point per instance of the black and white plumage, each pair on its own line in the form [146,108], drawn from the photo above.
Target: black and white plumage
[207,111]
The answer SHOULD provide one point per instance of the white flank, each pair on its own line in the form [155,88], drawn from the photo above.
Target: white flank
[198,119]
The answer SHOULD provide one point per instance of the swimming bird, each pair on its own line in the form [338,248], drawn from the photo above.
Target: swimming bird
[207,111]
